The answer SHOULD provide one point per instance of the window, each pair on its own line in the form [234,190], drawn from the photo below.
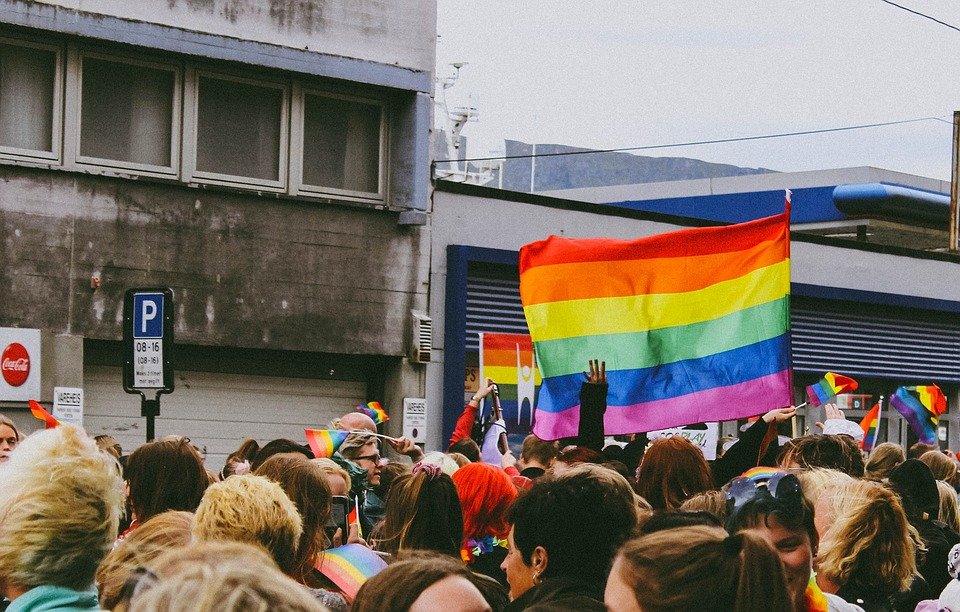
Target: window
[342,145]
[29,99]
[240,130]
[128,114]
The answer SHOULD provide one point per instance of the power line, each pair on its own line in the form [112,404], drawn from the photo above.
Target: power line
[925,16]
[695,142]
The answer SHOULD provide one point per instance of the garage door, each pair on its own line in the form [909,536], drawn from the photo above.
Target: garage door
[217,411]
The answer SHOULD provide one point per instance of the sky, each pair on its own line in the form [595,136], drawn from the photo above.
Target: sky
[611,74]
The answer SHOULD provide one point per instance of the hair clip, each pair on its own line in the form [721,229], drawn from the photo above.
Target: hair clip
[431,470]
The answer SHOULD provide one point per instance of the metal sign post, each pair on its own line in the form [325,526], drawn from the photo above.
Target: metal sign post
[148,348]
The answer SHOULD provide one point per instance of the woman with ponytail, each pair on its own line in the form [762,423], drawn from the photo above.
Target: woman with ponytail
[697,568]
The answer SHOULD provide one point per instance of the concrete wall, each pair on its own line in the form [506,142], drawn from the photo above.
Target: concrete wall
[247,271]
[394,33]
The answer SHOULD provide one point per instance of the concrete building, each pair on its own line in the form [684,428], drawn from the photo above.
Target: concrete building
[871,297]
[269,162]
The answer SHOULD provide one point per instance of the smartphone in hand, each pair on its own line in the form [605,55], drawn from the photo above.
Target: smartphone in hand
[339,517]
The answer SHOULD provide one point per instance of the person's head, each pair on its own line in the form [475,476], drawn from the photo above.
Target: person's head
[919,449]
[883,459]
[672,471]
[60,503]
[943,467]
[442,460]
[255,510]
[837,452]
[466,447]
[421,584]
[9,437]
[356,421]
[714,502]
[672,519]
[913,481]
[568,527]
[485,493]
[422,512]
[278,447]
[865,538]
[338,480]
[109,445]
[165,475]
[537,452]
[240,460]
[770,504]
[459,458]
[575,455]
[362,449]
[228,577]
[697,568]
[949,511]
[306,486]
[814,482]
[164,532]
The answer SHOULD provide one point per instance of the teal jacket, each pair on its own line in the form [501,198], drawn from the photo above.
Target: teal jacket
[62,599]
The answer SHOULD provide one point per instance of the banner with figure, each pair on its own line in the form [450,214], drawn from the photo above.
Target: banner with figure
[509,360]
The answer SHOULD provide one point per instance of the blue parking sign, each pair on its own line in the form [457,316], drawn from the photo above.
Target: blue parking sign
[148,315]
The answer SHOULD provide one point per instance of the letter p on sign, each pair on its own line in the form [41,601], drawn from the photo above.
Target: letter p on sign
[148,315]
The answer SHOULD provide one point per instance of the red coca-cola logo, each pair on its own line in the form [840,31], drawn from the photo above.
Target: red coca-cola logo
[15,364]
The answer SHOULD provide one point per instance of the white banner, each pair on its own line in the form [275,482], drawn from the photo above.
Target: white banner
[703,437]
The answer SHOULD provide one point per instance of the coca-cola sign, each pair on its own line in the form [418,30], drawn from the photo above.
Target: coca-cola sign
[15,364]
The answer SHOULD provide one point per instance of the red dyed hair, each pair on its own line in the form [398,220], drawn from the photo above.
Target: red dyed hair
[485,493]
[672,471]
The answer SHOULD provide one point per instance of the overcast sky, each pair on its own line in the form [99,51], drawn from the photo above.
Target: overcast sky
[608,74]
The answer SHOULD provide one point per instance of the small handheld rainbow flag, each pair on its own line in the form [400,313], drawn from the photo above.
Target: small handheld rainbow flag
[38,411]
[325,442]
[921,407]
[349,567]
[375,411]
[869,425]
[830,386]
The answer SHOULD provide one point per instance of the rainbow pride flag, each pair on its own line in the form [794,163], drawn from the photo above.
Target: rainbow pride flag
[375,411]
[39,412]
[869,425]
[349,566]
[921,407]
[325,442]
[509,360]
[829,386]
[693,325]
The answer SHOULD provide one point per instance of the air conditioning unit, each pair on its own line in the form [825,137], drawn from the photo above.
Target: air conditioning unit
[422,342]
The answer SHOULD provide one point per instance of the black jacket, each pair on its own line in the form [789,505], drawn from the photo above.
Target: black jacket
[560,595]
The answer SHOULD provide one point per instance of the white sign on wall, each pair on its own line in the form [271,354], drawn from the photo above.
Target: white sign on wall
[68,405]
[19,364]
[704,438]
[415,419]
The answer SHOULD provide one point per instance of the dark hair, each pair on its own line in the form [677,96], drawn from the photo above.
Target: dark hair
[918,449]
[388,475]
[541,451]
[305,483]
[579,454]
[247,451]
[839,452]
[399,585]
[466,447]
[422,512]
[671,519]
[276,447]
[580,521]
[165,475]
[672,471]
[757,511]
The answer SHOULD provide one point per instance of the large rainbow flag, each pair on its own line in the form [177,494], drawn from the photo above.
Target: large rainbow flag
[509,360]
[921,407]
[693,324]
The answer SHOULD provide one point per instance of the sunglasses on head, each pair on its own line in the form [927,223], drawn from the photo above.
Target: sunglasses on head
[763,482]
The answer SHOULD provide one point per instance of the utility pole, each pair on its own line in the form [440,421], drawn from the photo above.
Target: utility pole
[954,180]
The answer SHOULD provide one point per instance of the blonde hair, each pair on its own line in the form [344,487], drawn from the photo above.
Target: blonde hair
[883,459]
[703,568]
[208,577]
[330,468]
[942,466]
[163,532]
[714,502]
[869,541]
[251,509]
[814,482]
[60,505]
[949,510]
[5,420]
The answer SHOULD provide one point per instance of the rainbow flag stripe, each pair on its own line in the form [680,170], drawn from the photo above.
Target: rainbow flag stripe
[509,360]
[38,411]
[325,442]
[921,407]
[375,411]
[829,386]
[349,567]
[869,425]
[693,324]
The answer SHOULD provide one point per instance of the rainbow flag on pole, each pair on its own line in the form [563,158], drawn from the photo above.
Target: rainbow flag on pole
[921,407]
[869,425]
[509,360]
[325,442]
[375,411]
[693,324]
[829,387]
[49,421]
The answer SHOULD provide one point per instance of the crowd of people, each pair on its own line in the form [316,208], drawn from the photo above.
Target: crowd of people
[809,524]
